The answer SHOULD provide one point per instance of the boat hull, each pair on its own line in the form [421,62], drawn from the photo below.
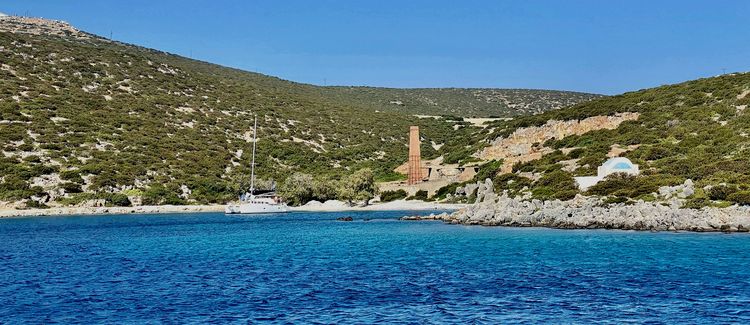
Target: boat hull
[255,208]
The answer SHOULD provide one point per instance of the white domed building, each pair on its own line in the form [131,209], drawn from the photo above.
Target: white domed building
[611,166]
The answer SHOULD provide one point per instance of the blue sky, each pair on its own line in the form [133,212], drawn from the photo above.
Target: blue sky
[593,46]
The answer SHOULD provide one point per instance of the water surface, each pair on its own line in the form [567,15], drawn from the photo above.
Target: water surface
[307,267]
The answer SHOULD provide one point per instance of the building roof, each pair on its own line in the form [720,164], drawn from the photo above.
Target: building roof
[618,163]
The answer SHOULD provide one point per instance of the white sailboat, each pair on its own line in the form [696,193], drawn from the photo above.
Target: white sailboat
[250,203]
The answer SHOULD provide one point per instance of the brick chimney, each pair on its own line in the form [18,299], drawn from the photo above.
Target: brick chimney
[415,157]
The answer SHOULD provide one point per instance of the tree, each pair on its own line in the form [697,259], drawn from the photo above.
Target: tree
[323,190]
[297,189]
[359,186]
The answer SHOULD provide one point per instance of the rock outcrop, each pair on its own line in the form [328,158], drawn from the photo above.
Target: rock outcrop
[680,191]
[39,26]
[525,144]
[590,212]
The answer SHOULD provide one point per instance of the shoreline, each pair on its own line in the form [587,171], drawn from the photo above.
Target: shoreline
[592,213]
[450,219]
[333,206]
[92,211]
[398,205]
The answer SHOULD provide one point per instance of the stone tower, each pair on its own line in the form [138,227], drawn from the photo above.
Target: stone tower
[415,157]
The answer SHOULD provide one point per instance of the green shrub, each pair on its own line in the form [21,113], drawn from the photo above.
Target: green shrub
[69,187]
[696,203]
[555,185]
[419,195]
[31,204]
[388,196]
[446,190]
[488,170]
[32,159]
[741,197]
[25,147]
[621,184]
[656,153]
[576,153]
[721,192]
[118,200]
[159,194]
[75,199]
[512,183]
[71,175]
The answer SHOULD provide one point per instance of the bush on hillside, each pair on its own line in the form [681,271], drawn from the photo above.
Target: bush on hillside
[696,203]
[117,199]
[555,185]
[419,195]
[388,196]
[741,197]
[488,170]
[721,192]
[512,183]
[71,175]
[621,184]
[70,187]
[159,194]
[446,190]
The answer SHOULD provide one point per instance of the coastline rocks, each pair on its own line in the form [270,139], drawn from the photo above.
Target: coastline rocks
[432,216]
[680,191]
[589,212]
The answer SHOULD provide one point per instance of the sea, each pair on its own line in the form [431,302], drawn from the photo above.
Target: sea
[303,268]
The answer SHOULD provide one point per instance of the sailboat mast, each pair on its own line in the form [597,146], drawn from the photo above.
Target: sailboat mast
[252,168]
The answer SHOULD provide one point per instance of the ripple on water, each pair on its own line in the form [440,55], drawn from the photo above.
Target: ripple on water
[309,268]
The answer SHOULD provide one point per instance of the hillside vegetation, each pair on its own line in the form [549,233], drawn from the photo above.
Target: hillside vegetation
[82,117]
[462,102]
[697,130]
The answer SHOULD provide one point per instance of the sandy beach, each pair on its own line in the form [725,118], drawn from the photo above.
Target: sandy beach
[329,206]
[146,209]
[412,205]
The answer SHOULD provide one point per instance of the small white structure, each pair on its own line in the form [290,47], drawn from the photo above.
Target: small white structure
[2,15]
[611,166]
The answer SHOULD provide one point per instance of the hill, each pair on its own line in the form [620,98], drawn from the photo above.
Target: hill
[84,117]
[697,130]
[462,102]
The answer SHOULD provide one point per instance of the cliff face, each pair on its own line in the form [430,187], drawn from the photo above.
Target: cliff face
[525,144]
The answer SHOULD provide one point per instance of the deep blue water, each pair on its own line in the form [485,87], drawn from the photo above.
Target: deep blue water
[302,268]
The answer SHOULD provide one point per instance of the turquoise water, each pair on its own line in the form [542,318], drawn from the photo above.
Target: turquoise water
[303,268]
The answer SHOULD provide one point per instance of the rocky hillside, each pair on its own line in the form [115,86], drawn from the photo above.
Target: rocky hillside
[459,102]
[83,117]
[697,130]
